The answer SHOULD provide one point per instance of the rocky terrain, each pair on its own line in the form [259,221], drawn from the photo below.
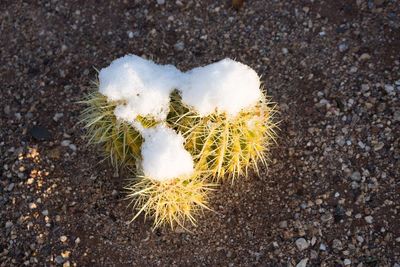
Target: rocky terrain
[331,193]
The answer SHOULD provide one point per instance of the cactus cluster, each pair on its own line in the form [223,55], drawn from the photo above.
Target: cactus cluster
[222,146]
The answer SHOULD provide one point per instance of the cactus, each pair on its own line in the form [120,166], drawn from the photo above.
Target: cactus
[225,146]
[174,202]
[119,140]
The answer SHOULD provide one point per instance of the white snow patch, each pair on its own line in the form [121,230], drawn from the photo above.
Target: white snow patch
[225,86]
[163,154]
[142,85]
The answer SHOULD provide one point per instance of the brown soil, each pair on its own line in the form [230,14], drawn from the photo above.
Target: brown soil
[333,67]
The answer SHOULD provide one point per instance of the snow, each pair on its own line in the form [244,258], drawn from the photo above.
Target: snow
[226,86]
[163,154]
[142,86]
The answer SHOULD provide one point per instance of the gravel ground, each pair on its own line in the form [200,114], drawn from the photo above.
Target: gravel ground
[330,196]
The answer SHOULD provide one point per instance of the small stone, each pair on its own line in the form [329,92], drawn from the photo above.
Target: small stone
[161,2]
[63,48]
[313,240]
[302,244]
[313,254]
[343,47]
[32,206]
[59,260]
[283,224]
[326,217]
[7,110]
[346,262]
[66,264]
[40,133]
[322,247]
[9,224]
[77,240]
[378,146]
[302,263]
[368,219]
[72,147]
[65,142]
[337,244]
[54,153]
[364,56]
[63,238]
[58,116]
[364,87]
[285,51]
[360,239]
[45,212]
[179,46]
[10,187]
[356,176]
[65,254]
[396,115]
[389,88]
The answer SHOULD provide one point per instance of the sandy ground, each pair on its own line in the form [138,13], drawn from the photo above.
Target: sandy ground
[330,196]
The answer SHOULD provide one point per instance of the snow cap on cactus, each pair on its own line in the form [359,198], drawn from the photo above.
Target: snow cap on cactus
[226,86]
[141,86]
[164,156]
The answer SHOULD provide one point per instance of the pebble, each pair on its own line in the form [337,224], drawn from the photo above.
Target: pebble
[364,56]
[40,133]
[378,146]
[346,262]
[9,224]
[161,2]
[179,46]
[32,206]
[7,110]
[396,115]
[65,142]
[58,116]
[10,187]
[302,244]
[59,260]
[302,263]
[368,219]
[72,147]
[337,244]
[389,89]
[132,34]
[283,224]
[45,212]
[326,217]
[63,238]
[356,176]
[322,247]
[343,47]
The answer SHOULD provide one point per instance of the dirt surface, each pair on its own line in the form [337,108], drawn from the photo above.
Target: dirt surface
[330,196]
